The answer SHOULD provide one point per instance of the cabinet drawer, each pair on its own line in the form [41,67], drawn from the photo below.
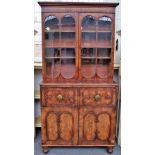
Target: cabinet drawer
[98,96]
[58,96]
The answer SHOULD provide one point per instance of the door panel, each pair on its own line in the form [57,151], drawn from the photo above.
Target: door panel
[52,126]
[96,48]
[59,126]
[66,126]
[103,126]
[96,126]
[60,47]
[89,126]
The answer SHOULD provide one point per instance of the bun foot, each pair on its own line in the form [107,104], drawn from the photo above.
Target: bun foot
[110,149]
[45,149]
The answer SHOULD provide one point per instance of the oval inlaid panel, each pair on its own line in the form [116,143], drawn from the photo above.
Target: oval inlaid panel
[102,71]
[66,126]
[53,69]
[68,71]
[89,127]
[52,126]
[88,70]
[103,126]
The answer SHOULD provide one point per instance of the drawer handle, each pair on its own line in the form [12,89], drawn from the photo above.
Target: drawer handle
[97,97]
[59,98]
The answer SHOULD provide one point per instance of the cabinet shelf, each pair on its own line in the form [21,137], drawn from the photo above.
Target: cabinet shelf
[96,57]
[59,57]
[62,29]
[103,57]
[58,43]
[94,31]
[88,57]
[96,44]
[39,66]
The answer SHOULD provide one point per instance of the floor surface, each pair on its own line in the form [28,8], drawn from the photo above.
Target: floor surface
[72,150]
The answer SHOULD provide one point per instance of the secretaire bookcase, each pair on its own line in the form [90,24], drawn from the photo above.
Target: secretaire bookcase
[78,94]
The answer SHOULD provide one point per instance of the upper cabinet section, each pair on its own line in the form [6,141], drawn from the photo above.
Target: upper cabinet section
[78,41]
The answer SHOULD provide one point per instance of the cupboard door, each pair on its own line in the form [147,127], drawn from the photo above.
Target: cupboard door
[59,126]
[97,126]
[59,44]
[96,46]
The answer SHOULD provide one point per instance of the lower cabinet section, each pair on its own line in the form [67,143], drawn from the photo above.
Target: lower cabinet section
[97,126]
[59,126]
[87,125]
[78,115]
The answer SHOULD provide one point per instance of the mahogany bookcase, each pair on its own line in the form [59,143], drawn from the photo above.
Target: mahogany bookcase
[78,95]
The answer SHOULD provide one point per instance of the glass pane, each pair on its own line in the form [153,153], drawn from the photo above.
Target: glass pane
[88,67]
[105,38]
[51,23]
[68,22]
[103,52]
[103,61]
[68,31]
[53,67]
[51,35]
[89,22]
[68,36]
[88,36]
[104,23]
[88,61]
[67,52]
[102,67]
[88,52]
[68,68]
[52,52]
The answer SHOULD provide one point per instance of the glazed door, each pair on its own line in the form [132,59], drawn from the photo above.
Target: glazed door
[96,126]
[59,126]
[96,50]
[59,46]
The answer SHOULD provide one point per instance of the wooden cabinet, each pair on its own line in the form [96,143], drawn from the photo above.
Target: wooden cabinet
[78,94]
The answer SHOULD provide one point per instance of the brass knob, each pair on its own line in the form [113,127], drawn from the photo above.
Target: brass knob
[59,98]
[97,97]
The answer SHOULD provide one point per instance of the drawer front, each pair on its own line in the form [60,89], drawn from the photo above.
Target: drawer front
[58,96]
[98,96]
